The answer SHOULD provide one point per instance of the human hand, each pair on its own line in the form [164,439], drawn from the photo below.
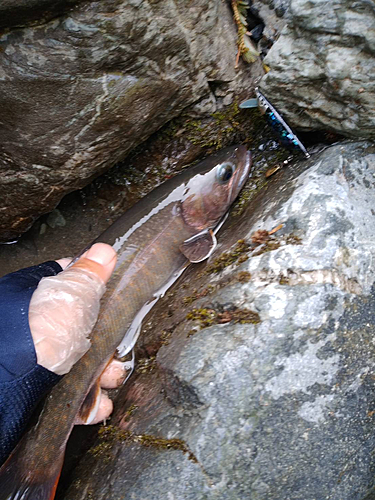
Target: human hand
[62,314]
[26,373]
[63,311]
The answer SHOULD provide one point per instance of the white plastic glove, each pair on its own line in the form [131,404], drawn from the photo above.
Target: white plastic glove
[63,310]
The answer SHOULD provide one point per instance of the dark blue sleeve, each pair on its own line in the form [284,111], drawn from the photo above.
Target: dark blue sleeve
[22,381]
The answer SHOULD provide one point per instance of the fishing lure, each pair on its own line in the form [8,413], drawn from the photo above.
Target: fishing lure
[287,137]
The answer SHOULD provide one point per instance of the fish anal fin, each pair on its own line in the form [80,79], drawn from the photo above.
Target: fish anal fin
[200,246]
[20,481]
[90,406]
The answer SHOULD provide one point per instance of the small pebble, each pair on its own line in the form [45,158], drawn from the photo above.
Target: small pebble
[56,219]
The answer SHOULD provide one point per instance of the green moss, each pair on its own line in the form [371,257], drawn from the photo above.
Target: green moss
[164,337]
[146,365]
[243,277]
[242,258]
[268,246]
[102,450]
[244,316]
[208,317]
[237,255]
[229,114]
[246,195]
[164,444]
[191,333]
[170,130]
[189,299]
[274,244]
[292,239]
[219,116]
[204,317]
[129,412]
[109,435]
[219,132]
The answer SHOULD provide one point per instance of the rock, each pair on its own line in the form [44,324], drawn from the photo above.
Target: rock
[267,390]
[279,6]
[80,90]
[56,219]
[22,12]
[323,67]
[272,13]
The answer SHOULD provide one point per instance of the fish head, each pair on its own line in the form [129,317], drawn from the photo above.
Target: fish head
[210,193]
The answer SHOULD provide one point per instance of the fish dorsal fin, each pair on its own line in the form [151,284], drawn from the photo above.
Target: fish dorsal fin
[200,246]
[90,406]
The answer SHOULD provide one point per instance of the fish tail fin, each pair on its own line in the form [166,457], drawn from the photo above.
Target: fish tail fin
[20,482]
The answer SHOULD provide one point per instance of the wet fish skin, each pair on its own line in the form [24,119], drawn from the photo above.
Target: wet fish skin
[147,239]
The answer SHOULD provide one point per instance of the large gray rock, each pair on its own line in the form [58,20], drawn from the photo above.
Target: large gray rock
[323,66]
[280,409]
[78,92]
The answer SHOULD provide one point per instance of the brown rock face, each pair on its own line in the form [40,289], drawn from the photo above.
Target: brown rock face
[80,90]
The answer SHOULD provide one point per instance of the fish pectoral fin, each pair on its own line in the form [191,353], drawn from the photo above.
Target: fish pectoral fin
[90,406]
[200,246]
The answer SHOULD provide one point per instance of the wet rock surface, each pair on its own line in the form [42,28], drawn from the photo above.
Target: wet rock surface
[88,81]
[322,68]
[275,404]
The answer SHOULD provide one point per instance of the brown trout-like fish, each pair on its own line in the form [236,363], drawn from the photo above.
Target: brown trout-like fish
[154,240]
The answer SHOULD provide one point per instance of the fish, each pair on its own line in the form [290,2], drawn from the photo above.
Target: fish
[155,240]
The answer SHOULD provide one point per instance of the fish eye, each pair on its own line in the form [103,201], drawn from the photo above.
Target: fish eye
[225,172]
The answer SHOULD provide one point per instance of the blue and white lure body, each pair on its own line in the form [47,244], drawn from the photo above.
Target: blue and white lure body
[287,137]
